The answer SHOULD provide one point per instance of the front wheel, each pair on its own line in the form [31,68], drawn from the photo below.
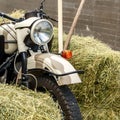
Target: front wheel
[61,94]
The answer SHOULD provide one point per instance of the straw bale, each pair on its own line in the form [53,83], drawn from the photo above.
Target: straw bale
[100,87]
[18,104]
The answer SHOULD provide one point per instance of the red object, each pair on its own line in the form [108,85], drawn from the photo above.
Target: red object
[67,54]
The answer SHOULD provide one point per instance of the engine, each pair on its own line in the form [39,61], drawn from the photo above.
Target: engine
[8,35]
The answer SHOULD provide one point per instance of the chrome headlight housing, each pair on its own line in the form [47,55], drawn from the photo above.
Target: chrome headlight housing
[41,32]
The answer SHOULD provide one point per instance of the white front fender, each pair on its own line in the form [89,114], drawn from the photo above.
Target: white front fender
[55,64]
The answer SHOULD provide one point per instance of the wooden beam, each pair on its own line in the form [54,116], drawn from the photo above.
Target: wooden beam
[60,26]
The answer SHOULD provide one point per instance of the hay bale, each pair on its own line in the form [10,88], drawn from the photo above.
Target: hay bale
[18,104]
[100,89]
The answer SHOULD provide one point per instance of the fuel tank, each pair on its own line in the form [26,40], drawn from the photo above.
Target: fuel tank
[10,41]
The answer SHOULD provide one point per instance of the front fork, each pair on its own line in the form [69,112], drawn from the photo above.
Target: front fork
[23,57]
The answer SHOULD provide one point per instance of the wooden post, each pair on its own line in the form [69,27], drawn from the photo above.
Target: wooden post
[74,24]
[60,26]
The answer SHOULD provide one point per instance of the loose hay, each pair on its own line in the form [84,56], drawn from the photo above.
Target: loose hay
[18,104]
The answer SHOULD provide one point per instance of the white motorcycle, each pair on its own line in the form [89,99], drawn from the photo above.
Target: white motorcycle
[25,59]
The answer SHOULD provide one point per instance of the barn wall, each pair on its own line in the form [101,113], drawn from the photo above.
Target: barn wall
[100,18]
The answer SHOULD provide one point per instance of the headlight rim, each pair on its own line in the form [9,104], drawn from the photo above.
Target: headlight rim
[33,28]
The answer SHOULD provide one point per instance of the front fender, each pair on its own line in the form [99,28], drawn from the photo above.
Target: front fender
[55,64]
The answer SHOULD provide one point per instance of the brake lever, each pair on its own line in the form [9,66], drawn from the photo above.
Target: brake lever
[47,17]
[53,19]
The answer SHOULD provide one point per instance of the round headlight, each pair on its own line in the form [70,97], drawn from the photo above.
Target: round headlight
[41,32]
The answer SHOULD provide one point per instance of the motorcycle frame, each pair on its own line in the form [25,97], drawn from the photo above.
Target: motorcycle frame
[55,64]
[45,60]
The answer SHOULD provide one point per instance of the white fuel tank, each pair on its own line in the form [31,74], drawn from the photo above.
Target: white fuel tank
[8,31]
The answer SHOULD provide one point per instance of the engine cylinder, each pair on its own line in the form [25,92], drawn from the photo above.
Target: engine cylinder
[10,42]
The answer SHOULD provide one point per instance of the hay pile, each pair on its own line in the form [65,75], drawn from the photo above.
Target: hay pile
[18,104]
[99,93]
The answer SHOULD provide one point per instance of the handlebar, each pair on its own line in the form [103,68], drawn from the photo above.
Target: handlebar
[21,19]
[47,17]
[9,17]
[36,13]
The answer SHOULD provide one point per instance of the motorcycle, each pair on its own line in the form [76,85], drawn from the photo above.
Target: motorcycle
[25,59]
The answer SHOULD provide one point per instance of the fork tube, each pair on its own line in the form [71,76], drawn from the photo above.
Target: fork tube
[24,68]
[24,62]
